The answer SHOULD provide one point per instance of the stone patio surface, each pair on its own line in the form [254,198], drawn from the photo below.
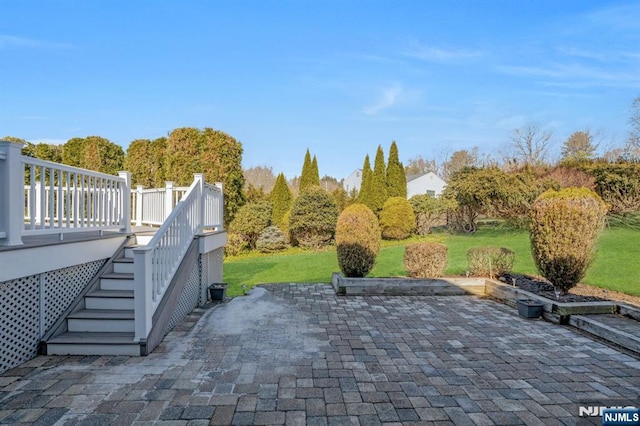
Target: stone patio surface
[299,354]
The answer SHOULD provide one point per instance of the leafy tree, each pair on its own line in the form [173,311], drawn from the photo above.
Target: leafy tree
[617,184]
[430,211]
[366,186]
[212,152]
[530,144]
[145,161]
[396,179]
[379,182]
[254,195]
[491,191]
[93,153]
[250,221]
[312,222]
[579,147]
[48,152]
[281,199]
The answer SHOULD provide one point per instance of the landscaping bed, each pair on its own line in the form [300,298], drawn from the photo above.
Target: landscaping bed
[580,293]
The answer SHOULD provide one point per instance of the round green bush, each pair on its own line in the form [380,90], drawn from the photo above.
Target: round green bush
[564,228]
[312,222]
[251,220]
[357,240]
[236,244]
[271,240]
[425,260]
[397,219]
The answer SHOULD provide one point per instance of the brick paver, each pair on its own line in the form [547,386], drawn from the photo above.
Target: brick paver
[299,354]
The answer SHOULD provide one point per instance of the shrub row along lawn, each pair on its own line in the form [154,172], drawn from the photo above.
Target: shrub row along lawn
[615,266]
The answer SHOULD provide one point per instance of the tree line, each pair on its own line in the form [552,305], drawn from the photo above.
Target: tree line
[153,162]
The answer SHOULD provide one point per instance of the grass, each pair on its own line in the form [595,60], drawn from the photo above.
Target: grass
[615,266]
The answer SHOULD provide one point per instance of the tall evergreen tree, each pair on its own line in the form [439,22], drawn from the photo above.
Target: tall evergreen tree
[306,179]
[396,179]
[364,196]
[315,173]
[281,199]
[379,182]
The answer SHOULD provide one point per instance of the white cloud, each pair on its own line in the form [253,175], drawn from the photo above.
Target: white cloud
[8,41]
[438,54]
[389,97]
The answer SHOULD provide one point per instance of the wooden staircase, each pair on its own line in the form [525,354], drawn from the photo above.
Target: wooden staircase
[103,322]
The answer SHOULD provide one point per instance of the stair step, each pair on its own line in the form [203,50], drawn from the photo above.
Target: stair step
[76,343]
[123,265]
[110,299]
[101,320]
[128,251]
[116,281]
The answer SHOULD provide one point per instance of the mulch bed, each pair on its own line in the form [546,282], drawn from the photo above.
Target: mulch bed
[580,293]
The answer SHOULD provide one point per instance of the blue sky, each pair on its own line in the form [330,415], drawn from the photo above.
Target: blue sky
[337,77]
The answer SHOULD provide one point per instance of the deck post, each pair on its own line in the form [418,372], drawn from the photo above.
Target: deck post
[220,185]
[168,199]
[11,193]
[199,177]
[139,189]
[125,224]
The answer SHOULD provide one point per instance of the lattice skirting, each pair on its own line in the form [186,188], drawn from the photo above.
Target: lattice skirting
[206,271]
[30,305]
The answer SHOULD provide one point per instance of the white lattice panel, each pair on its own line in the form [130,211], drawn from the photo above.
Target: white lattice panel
[189,298]
[19,321]
[62,286]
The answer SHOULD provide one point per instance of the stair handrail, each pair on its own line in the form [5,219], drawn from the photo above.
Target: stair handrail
[156,263]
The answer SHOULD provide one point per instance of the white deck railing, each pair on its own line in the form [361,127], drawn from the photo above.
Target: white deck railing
[57,199]
[156,263]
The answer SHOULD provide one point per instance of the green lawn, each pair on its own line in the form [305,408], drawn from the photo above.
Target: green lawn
[615,266]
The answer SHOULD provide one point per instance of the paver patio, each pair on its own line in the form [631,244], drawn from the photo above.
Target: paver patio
[299,354]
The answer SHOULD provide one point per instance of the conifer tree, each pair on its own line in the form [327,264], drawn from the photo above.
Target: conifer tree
[396,179]
[379,182]
[315,172]
[281,199]
[364,196]
[305,176]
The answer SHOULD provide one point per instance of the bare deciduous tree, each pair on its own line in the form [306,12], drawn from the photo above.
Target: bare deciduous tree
[531,144]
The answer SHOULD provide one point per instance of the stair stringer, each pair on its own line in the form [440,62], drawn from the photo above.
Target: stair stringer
[173,298]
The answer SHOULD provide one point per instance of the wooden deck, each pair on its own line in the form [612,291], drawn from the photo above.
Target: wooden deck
[32,241]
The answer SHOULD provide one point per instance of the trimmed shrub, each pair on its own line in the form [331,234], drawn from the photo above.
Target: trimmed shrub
[357,240]
[312,222]
[271,240]
[236,244]
[251,220]
[564,227]
[425,260]
[490,261]
[397,219]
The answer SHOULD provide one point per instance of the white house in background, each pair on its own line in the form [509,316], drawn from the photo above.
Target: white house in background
[353,181]
[425,183]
